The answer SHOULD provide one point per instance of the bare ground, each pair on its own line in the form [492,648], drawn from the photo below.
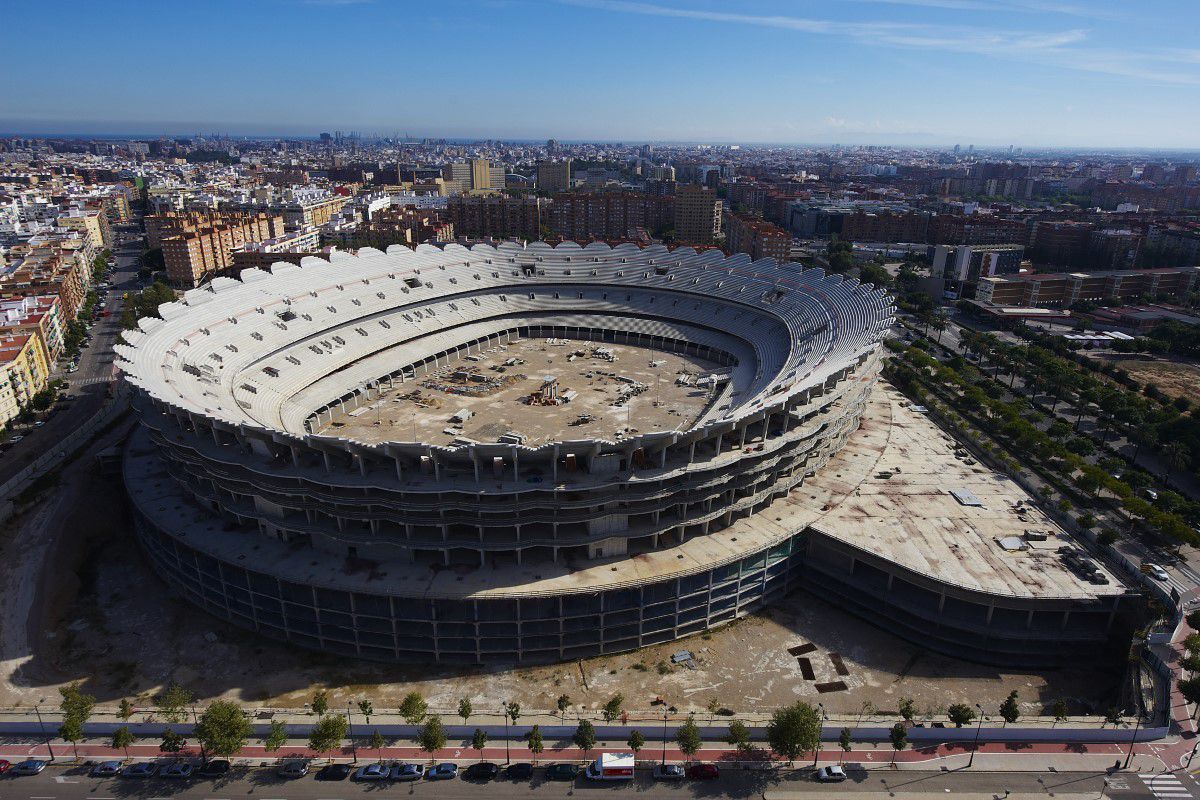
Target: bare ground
[108,621]
[1173,378]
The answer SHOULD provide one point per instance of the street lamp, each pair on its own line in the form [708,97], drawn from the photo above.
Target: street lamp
[37,709]
[1103,786]
[666,715]
[820,730]
[978,728]
[504,711]
[350,730]
[1137,721]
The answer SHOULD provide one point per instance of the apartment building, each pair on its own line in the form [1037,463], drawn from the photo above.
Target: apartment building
[24,371]
[608,215]
[1068,288]
[958,270]
[48,269]
[309,212]
[757,238]
[554,176]
[38,315]
[697,215]
[497,216]
[1063,242]
[206,250]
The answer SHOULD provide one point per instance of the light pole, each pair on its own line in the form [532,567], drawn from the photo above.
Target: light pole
[504,711]
[350,730]
[1137,721]
[37,709]
[1103,786]
[195,728]
[1191,756]
[978,728]
[820,730]
[666,715]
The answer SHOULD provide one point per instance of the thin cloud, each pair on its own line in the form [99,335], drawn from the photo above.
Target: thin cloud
[1057,49]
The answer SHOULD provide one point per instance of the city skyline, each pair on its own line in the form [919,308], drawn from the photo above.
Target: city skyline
[989,72]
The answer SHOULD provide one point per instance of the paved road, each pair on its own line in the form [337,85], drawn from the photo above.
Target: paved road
[73,784]
[88,385]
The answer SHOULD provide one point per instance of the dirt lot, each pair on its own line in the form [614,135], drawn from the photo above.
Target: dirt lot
[637,386]
[1173,378]
[113,625]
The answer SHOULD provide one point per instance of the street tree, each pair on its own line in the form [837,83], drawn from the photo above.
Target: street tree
[536,745]
[276,736]
[413,708]
[612,709]
[899,737]
[844,741]
[328,732]
[125,709]
[1058,709]
[479,741]
[1010,709]
[563,703]
[223,728]
[688,737]
[636,742]
[432,736]
[908,708]
[76,707]
[121,739]
[585,736]
[172,742]
[464,709]
[376,744]
[366,708]
[793,730]
[1188,687]
[173,703]
[739,736]
[320,702]
[960,714]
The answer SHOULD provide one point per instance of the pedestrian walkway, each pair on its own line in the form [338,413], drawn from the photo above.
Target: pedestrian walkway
[1166,786]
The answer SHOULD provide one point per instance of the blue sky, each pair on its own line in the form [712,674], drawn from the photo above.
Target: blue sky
[1024,72]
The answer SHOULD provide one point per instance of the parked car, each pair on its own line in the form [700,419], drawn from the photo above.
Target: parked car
[442,772]
[144,769]
[562,772]
[408,772]
[668,772]
[31,766]
[4,766]
[703,772]
[1156,572]
[483,771]
[519,772]
[293,768]
[105,769]
[179,769]
[214,769]
[334,772]
[830,774]
[372,772]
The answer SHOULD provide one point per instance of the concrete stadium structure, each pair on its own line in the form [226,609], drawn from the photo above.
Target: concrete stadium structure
[483,551]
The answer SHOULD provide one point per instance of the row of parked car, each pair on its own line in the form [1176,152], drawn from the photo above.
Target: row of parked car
[377,772]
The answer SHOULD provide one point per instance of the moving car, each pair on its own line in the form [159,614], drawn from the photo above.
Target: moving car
[442,772]
[1156,572]
[105,769]
[831,774]
[703,772]
[668,772]
[293,768]
[408,772]
[180,769]
[214,769]
[519,772]
[372,772]
[334,772]
[483,771]
[562,772]
[32,766]
[145,769]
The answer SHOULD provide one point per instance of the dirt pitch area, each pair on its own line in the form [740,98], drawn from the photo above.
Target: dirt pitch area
[1173,378]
